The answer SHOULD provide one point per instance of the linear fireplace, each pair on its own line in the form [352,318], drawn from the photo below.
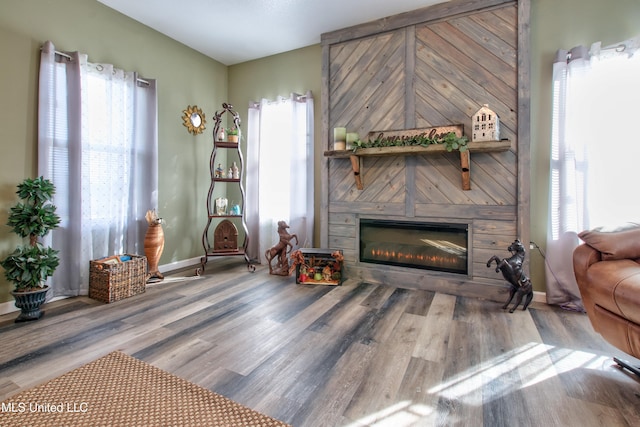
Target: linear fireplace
[425,245]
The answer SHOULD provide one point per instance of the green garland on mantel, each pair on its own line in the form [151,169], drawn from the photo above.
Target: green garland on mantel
[449,140]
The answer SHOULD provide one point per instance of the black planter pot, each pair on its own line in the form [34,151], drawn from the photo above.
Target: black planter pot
[29,303]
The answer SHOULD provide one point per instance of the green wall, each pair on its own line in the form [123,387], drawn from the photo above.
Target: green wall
[185,77]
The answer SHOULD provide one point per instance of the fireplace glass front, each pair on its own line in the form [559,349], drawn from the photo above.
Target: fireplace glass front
[429,246]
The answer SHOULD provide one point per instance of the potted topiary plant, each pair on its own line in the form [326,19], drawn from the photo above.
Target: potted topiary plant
[232,134]
[29,265]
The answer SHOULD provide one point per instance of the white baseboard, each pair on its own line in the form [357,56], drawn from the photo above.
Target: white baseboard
[9,306]
[178,265]
[540,297]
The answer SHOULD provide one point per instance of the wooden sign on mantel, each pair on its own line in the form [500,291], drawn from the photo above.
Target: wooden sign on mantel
[431,132]
[392,136]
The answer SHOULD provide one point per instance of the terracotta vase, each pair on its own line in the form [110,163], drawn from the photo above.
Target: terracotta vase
[153,247]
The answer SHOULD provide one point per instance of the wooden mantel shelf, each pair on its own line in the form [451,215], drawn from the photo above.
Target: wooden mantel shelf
[418,150]
[474,147]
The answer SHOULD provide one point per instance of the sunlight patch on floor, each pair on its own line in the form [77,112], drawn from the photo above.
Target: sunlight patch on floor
[404,413]
[516,369]
[464,385]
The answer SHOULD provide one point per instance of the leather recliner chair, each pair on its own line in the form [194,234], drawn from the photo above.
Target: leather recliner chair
[607,270]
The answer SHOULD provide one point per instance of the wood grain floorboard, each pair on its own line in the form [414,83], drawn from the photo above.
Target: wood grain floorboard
[354,355]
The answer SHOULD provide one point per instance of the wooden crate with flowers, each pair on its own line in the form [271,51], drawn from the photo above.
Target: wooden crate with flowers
[316,266]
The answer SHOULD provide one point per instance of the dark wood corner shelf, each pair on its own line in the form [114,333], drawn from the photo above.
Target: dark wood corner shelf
[226,144]
[418,150]
[226,179]
[231,252]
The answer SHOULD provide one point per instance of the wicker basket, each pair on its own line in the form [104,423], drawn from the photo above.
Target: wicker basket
[113,282]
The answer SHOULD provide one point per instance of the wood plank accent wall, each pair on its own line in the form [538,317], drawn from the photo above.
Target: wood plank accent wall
[431,67]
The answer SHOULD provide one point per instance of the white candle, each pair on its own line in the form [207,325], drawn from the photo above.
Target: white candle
[339,134]
[339,138]
[352,137]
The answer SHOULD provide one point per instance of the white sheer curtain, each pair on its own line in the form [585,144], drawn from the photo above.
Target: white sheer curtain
[595,147]
[97,142]
[279,171]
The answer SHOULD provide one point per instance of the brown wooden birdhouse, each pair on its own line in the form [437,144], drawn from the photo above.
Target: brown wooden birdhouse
[225,237]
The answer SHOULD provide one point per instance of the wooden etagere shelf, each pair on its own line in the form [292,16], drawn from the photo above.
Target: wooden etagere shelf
[418,150]
[213,217]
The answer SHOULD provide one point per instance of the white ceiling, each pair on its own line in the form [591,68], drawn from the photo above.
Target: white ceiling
[234,31]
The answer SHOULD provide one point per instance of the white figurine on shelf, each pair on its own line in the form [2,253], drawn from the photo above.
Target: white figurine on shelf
[219,171]
[221,135]
[230,173]
[236,171]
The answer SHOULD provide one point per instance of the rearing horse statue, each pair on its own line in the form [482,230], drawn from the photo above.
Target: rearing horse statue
[512,271]
[280,250]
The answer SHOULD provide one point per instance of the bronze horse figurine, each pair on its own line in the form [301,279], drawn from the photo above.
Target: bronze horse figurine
[512,271]
[280,250]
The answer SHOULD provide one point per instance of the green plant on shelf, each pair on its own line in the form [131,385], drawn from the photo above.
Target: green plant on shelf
[450,140]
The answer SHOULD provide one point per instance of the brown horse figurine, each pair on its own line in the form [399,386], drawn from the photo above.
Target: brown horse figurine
[280,250]
[513,273]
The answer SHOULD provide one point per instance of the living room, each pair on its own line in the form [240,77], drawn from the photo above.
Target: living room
[187,77]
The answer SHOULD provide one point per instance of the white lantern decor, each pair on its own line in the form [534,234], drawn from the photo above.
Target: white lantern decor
[485,125]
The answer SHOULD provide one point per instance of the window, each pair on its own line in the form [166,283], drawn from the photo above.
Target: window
[593,154]
[280,171]
[98,144]
[594,141]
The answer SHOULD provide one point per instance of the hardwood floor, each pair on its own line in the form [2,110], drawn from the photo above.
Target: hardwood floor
[353,355]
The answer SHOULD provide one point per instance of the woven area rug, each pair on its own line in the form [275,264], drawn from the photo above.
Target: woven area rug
[119,390]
